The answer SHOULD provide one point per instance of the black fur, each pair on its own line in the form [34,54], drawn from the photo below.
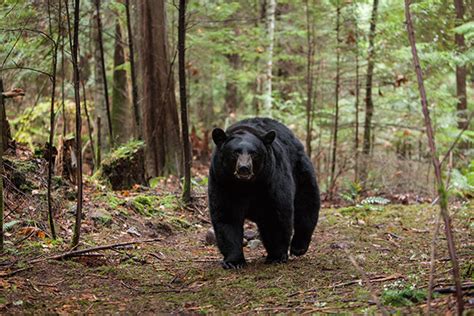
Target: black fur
[280,195]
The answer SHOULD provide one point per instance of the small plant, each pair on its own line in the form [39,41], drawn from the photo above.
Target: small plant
[375,200]
[399,294]
[353,193]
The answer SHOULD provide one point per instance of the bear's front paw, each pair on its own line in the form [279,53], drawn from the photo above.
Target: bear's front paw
[276,259]
[298,252]
[234,265]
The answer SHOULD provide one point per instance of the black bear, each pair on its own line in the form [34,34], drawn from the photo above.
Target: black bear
[260,171]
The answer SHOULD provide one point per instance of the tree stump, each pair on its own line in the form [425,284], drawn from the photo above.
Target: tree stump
[125,167]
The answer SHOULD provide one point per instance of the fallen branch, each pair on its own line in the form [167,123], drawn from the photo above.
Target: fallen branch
[452,289]
[373,280]
[98,248]
[367,282]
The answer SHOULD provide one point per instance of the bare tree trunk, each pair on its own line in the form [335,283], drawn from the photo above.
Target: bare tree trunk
[99,141]
[104,73]
[120,106]
[63,81]
[77,99]
[136,110]
[160,117]
[443,195]
[2,105]
[51,115]
[183,101]
[369,105]
[336,115]
[460,69]
[231,91]
[309,77]
[357,94]
[89,125]
[270,28]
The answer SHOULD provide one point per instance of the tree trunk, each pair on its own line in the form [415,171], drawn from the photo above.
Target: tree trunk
[120,106]
[232,98]
[2,108]
[270,28]
[460,69]
[183,101]
[309,78]
[52,116]
[77,98]
[136,110]
[443,195]
[369,105]
[336,115]
[357,94]
[104,73]
[98,91]
[158,104]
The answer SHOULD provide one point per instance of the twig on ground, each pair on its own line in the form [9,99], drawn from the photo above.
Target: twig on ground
[373,280]
[367,282]
[99,248]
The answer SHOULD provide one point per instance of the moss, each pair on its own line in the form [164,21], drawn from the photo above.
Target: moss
[124,167]
[124,152]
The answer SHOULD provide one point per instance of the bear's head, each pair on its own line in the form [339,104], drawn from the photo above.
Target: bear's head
[242,153]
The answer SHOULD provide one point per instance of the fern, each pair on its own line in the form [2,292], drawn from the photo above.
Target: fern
[375,200]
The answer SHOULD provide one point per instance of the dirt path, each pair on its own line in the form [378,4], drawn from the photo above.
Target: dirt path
[182,274]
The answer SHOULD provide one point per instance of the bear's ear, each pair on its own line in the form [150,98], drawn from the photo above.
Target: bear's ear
[218,136]
[269,137]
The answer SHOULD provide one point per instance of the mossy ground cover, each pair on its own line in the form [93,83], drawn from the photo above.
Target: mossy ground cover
[180,273]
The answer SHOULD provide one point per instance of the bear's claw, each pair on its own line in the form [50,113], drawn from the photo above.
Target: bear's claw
[232,265]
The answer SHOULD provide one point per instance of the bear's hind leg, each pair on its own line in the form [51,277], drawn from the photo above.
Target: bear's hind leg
[307,204]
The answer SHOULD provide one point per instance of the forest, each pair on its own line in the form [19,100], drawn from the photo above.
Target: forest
[116,119]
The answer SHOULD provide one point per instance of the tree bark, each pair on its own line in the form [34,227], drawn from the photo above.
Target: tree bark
[309,77]
[443,196]
[131,48]
[52,116]
[461,71]
[232,98]
[270,28]
[77,99]
[183,101]
[336,114]
[356,105]
[120,106]
[104,73]
[369,105]
[2,105]
[159,111]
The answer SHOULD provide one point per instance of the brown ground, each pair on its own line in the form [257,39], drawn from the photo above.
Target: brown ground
[182,274]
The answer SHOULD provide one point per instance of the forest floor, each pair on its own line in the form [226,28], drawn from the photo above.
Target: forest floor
[180,273]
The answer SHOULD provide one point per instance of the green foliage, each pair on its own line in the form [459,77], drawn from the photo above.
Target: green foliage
[375,200]
[403,297]
[353,193]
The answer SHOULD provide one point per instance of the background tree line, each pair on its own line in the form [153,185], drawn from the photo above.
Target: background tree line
[341,78]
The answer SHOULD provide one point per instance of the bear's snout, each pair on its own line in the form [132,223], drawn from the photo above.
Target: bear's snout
[244,167]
